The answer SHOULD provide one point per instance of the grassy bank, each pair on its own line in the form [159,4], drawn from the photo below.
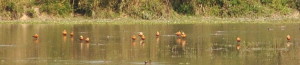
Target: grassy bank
[182,20]
[146,9]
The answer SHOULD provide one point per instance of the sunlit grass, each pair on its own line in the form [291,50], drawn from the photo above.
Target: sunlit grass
[183,20]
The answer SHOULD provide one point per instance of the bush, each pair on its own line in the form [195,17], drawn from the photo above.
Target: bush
[31,13]
[149,9]
[55,7]
[183,7]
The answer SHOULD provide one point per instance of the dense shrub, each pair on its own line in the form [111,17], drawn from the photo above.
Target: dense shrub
[148,9]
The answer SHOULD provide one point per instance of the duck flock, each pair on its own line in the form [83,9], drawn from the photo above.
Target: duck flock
[143,37]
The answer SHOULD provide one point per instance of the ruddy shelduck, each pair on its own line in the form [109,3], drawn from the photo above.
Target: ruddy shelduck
[238,39]
[143,37]
[183,35]
[72,34]
[64,32]
[35,36]
[87,40]
[141,34]
[178,33]
[80,37]
[133,37]
[157,34]
[288,37]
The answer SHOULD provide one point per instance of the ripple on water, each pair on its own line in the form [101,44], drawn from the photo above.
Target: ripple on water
[98,44]
[217,33]
[152,63]
[96,62]
[7,45]
[137,63]
[168,35]
[268,49]
[215,49]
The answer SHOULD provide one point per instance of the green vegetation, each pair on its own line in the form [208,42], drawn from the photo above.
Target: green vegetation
[146,9]
[182,20]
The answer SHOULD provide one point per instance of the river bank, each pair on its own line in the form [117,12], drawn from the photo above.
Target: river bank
[181,20]
[146,9]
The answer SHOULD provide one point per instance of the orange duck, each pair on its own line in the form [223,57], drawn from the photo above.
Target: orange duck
[81,37]
[143,37]
[178,33]
[288,37]
[87,40]
[157,34]
[183,35]
[35,36]
[238,39]
[141,34]
[72,34]
[64,32]
[133,37]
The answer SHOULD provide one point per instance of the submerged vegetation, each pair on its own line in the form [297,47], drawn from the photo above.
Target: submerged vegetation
[146,9]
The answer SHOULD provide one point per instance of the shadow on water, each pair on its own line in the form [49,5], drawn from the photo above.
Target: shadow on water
[205,44]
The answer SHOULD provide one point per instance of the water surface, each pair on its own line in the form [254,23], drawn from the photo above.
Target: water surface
[206,44]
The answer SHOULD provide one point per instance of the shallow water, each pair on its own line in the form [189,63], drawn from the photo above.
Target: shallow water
[206,44]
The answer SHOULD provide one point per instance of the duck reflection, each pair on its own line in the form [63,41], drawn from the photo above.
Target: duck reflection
[36,41]
[133,43]
[178,49]
[288,44]
[72,39]
[88,45]
[84,45]
[81,45]
[84,50]
[64,39]
[178,40]
[142,43]
[183,43]
[157,40]
[238,46]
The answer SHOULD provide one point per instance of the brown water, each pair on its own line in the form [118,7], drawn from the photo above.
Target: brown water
[206,44]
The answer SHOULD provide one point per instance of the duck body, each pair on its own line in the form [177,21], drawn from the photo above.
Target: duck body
[35,36]
[64,32]
[141,34]
[157,34]
[183,35]
[143,37]
[133,37]
[178,33]
[238,39]
[87,40]
[288,37]
[72,34]
[81,37]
